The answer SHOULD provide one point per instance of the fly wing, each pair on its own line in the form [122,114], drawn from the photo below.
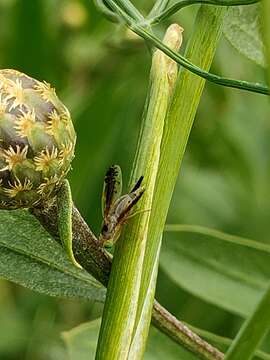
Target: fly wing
[112,189]
[137,184]
[127,203]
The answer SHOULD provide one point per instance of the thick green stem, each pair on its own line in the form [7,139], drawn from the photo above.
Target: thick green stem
[109,14]
[179,120]
[120,311]
[252,332]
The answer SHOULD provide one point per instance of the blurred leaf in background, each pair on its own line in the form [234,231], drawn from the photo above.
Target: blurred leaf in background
[31,258]
[100,71]
[81,344]
[242,28]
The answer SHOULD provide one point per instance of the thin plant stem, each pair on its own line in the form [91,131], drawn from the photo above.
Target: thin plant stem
[193,341]
[108,14]
[152,39]
[129,9]
[159,7]
[162,15]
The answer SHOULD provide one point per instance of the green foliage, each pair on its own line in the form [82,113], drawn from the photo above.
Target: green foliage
[82,340]
[101,71]
[30,257]
[227,271]
[81,344]
[252,332]
[242,27]
[64,221]
[127,308]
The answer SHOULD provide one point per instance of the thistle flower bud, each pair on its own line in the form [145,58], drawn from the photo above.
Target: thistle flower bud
[37,141]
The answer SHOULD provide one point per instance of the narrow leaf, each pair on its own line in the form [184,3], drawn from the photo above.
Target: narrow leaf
[225,270]
[252,332]
[81,342]
[29,256]
[64,205]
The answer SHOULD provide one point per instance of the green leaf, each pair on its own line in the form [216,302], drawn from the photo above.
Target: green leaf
[242,28]
[160,347]
[225,270]
[223,343]
[252,331]
[29,256]
[81,344]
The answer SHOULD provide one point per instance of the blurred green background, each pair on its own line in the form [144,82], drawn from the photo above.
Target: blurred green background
[100,71]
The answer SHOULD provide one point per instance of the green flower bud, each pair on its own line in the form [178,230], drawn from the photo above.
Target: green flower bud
[37,141]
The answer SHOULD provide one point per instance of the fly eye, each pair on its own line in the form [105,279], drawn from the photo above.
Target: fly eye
[105,228]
